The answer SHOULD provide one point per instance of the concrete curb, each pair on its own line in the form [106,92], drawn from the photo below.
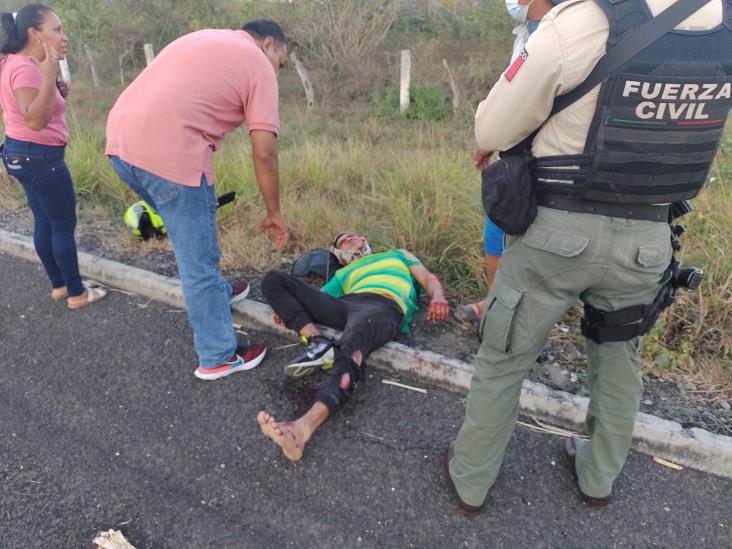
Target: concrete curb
[694,448]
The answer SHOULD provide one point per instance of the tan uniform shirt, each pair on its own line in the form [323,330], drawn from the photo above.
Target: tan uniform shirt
[560,54]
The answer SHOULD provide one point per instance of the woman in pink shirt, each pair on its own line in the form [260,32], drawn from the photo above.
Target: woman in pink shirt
[33,107]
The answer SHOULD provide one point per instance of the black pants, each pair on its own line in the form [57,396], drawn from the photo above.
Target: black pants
[367,321]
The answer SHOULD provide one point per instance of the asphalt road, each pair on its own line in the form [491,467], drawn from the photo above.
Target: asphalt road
[103,425]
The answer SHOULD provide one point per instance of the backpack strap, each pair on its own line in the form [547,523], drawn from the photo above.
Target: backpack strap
[635,42]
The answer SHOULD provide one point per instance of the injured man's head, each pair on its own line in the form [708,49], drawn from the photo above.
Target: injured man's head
[348,247]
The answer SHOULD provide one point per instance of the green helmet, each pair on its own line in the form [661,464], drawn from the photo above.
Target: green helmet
[144,221]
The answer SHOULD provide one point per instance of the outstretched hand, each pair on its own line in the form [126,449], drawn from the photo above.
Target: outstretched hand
[438,310]
[278,231]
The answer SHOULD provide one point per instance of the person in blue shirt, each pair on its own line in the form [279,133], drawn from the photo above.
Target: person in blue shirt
[528,14]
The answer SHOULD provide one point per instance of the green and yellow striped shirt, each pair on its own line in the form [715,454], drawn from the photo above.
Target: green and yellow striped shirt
[385,274]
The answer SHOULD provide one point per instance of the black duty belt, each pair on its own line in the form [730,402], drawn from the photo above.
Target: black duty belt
[647,212]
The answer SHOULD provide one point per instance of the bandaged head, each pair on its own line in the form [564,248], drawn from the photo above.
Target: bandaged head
[349,247]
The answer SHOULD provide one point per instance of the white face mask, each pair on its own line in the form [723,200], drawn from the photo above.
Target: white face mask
[519,12]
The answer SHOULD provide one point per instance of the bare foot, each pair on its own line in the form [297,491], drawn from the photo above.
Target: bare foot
[285,435]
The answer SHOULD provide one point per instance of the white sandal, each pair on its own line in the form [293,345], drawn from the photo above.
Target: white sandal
[86,283]
[93,294]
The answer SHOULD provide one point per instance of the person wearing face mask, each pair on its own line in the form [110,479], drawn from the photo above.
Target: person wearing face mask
[646,88]
[528,14]
[371,298]
[161,137]
[36,135]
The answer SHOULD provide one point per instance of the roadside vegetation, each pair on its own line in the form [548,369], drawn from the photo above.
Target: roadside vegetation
[353,162]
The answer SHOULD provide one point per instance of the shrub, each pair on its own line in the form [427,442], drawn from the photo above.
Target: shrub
[426,102]
[340,33]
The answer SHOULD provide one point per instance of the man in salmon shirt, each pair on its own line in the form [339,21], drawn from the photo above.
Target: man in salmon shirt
[161,137]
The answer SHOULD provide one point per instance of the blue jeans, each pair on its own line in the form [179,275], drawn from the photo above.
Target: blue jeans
[189,214]
[42,172]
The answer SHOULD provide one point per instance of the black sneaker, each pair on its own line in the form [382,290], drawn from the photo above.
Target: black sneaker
[318,354]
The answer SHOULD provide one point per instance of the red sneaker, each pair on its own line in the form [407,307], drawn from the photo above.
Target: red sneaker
[239,292]
[246,358]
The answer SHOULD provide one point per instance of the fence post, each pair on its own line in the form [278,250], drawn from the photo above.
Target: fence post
[121,61]
[65,72]
[406,68]
[92,65]
[453,87]
[149,53]
[305,78]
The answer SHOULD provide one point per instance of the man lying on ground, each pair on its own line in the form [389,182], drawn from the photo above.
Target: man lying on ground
[371,299]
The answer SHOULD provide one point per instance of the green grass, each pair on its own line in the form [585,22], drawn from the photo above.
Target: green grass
[404,183]
[352,163]
[693,341]
[426,102]
[410,183]
[422,195]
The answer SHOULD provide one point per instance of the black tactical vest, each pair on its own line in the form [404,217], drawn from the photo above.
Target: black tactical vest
[659,118]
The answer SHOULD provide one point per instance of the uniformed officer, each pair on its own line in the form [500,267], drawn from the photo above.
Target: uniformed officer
[645,137]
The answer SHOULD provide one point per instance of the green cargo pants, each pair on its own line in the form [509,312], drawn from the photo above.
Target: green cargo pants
[611,263]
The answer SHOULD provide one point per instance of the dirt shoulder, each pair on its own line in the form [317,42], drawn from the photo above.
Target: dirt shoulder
[562,364]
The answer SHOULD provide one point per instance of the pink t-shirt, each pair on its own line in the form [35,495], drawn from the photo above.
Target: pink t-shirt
[175,114]
[17,71]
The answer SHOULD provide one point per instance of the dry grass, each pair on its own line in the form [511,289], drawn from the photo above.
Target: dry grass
[11,195]
[125,241]
[410,184]
[693,344]
[406,183]
[422,194]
